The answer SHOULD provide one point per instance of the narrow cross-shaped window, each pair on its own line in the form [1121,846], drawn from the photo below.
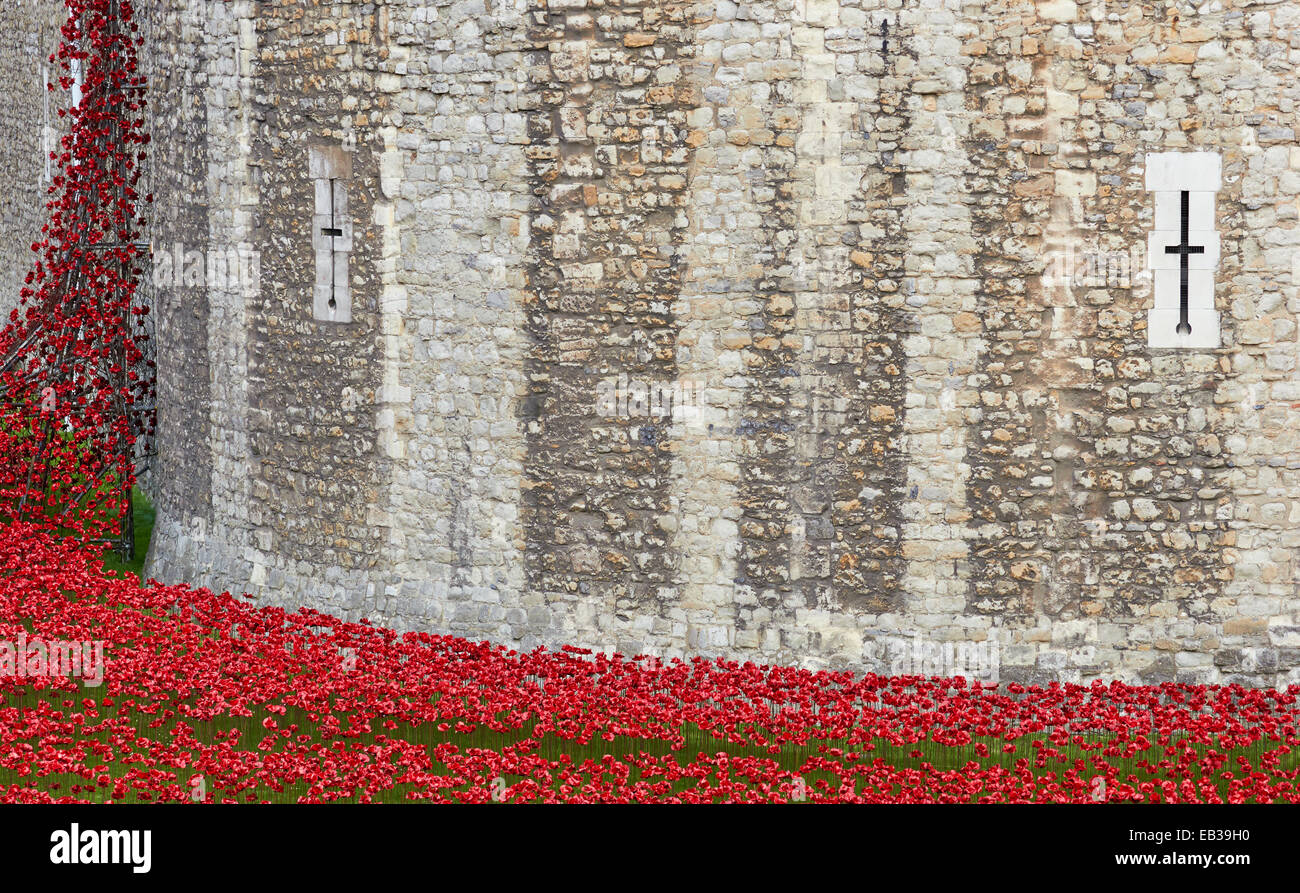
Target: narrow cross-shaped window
[330,168]
[333,231]
[1183,249]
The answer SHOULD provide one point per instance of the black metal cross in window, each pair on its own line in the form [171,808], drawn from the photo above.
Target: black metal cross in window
[1182,249]
[334,232]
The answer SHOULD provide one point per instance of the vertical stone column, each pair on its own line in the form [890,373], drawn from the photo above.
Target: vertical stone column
[712,320]
[828,171]
[1248,627]
[760,121]
[1031,555]
[231,222]
[451,220]
[609,97]
[862,353]
[942,353]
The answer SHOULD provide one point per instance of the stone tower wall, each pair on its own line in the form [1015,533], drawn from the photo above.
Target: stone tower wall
[31,127]
[737,328]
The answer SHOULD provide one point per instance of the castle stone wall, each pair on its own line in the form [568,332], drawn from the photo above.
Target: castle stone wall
[30,123]
[740,328]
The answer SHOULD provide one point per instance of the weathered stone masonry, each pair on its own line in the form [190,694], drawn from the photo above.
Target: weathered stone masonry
[819,252]
[31,127]
[607,124]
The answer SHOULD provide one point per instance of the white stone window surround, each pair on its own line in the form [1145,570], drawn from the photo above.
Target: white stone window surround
[1184,184]
[330,168]
[49,135]
[78,81]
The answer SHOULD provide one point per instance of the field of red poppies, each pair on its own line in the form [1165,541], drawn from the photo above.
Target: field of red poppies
[204,697]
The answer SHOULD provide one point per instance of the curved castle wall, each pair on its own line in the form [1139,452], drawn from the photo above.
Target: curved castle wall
[789,330]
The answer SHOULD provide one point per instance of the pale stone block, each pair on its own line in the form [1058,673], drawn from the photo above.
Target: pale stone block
[838,181]
[1159,259]
[810,92]
[825,13]
[1168,289]
[819,66]
[329,162]
[323,198]
[1073,184]
[1162,329]
[1058,10]
[1176,171]
[324,263]
[1061,104]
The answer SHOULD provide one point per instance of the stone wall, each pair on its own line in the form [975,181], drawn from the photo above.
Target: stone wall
[30,122]
[739,328]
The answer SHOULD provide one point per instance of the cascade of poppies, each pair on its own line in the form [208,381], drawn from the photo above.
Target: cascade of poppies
[75,389]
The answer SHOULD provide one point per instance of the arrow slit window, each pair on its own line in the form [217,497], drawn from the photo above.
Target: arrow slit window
[330,168]
[1183,249]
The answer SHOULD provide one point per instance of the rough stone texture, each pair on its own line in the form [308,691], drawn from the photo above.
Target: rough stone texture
[30,123]
[831,233]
